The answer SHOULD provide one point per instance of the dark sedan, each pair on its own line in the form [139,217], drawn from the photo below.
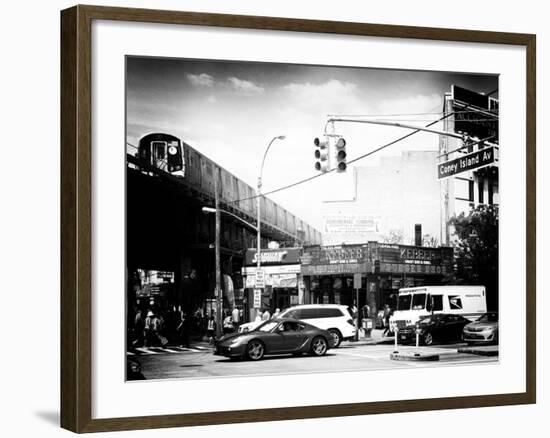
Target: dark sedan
[276,336]
[434,328]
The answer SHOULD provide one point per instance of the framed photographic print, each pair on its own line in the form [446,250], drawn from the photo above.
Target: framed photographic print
[286,208]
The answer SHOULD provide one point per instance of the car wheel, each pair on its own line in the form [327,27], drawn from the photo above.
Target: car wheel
[255,350]
[319,346]
[428,339]
[336,337]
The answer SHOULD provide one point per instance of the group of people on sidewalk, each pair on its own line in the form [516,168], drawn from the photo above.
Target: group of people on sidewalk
[152,328]
[155,328]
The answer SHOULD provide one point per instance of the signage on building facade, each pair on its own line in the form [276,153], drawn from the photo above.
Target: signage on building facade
[259,279]
[257,298]
[405,259]
[334,259]
[474,114]
[269,270]
[282,256]
[475,160]
[334,254]
[387,258]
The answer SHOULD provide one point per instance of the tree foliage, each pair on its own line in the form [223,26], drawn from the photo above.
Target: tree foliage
[394,236]
[476,250]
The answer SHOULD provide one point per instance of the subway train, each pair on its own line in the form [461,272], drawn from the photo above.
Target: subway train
[169,154]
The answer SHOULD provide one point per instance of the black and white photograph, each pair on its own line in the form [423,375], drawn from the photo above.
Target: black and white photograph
[293,218]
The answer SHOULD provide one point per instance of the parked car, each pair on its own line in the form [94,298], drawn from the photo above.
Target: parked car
[276,336]
[482,331]
[334,318]
[439,327]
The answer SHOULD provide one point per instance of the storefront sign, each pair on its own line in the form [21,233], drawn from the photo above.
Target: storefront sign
[404,268]
[349,268]
[357,281]
[335,259]
[282,269]
[280,256]
[284,280]
[389,253]
[257,298]
[259,279]
[475,160]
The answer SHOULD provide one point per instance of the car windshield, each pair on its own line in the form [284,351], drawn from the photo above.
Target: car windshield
[267,326]
[489,317]
[404,302]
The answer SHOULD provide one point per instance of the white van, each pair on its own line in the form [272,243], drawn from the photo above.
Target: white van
[415,302]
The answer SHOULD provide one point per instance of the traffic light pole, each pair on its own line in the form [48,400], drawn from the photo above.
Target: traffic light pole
[398,125]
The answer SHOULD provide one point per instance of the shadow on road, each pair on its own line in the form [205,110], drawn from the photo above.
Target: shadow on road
[271,358]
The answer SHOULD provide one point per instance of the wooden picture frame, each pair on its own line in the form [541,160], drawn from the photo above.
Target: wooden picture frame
[76,217]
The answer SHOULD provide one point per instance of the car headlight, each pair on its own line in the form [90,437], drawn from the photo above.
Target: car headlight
[234,342]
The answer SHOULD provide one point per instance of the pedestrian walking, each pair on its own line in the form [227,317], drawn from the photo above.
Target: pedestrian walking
[388,312]
[235,316]
[228,324]
[139,329]
[183,330]
[266,315]
[148,329]
[277,312]
[211,329]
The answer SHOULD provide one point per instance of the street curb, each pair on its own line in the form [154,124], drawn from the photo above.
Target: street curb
[478,352]
[414,356]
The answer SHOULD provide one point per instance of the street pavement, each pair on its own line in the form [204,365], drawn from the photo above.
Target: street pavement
[198,361]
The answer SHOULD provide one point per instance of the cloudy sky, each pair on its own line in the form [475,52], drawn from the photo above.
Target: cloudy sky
[229,111]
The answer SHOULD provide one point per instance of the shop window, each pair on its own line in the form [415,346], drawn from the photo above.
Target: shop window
[471,191]
[480,190]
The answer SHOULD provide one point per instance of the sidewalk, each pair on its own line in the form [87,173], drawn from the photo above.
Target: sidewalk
[374,339]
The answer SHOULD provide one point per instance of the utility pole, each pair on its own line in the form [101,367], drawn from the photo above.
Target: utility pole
[218,292]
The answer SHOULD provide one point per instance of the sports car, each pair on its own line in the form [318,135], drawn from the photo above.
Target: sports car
[276,336]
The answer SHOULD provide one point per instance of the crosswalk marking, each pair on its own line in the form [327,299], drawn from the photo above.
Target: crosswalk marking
[146,350]
[141,351]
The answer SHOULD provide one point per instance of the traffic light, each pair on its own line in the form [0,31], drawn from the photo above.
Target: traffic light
[322,154]
[341,155]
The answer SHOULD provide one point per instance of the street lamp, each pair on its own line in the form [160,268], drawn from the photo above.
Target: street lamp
[259,196]
[213,210]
